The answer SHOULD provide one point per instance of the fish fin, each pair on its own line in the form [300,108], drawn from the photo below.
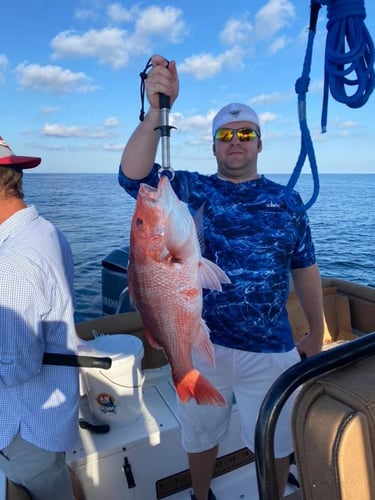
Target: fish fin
[130,286]
[195,385]
[198,221]
[179,224]
[211,275]
[204,345]
[151,339]
[177,238]
[132,302]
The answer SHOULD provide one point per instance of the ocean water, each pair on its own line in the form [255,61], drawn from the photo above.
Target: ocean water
[94,213]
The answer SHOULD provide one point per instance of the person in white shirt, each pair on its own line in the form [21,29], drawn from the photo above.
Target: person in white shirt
[38,402]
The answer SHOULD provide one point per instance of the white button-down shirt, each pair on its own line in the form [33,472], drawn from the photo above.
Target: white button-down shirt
[36,316]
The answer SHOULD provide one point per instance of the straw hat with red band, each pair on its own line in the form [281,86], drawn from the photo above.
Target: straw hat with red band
[9,159]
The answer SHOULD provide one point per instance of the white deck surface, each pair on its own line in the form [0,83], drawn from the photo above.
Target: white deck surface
[151,444]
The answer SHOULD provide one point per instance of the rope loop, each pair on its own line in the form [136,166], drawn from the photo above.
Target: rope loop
[307,148]
[143,76]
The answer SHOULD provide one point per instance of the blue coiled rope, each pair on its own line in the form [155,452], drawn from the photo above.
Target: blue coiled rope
[345,30]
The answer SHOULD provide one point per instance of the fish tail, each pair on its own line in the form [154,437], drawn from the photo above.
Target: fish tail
[195,385]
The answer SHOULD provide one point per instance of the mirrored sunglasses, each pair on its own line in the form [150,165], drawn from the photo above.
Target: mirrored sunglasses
[243,134]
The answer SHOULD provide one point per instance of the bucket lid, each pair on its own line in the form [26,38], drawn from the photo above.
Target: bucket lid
[118,345]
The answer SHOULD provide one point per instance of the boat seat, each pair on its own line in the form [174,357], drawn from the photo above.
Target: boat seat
[337,317]
[333,426]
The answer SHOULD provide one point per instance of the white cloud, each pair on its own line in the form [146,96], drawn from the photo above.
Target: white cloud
[118,14]
[337,123]
[236,31]
[268,117]
[114,46]
[108,45]
[277,45]
[316,85]
[85,14]
[49,109]
[272,17]
[266,99]
[55,130]
[52,79]
[164,22]
[111,122]
[242,36]
[74,131]
[203,66]
[348,125]
[110,146]
[195,122]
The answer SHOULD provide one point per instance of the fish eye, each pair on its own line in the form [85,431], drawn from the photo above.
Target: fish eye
[139,222]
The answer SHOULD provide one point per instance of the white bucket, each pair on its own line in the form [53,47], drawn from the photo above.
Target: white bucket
[115,395]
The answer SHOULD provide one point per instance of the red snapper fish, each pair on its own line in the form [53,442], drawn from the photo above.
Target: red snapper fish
[166,274]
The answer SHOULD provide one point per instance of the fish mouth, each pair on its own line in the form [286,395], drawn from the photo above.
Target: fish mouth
[149,192]
[161,196]
[163,193]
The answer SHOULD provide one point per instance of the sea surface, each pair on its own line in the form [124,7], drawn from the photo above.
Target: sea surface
[94,212]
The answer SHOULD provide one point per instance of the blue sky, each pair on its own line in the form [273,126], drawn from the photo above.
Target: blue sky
[69,81]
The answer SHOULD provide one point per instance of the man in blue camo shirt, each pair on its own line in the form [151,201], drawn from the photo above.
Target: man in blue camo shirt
[260,243]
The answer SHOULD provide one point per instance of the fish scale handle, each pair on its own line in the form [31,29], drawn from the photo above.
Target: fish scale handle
[164,101]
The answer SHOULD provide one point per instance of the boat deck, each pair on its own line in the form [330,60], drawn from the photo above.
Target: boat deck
[150,450]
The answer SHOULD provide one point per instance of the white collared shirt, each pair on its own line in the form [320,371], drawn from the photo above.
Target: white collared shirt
[36,316]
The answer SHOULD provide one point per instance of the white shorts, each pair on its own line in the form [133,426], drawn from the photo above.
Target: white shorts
[247,375]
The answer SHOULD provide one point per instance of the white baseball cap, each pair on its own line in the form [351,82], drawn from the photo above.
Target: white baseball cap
[234,112]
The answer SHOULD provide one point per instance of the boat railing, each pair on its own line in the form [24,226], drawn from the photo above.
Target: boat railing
[322,363]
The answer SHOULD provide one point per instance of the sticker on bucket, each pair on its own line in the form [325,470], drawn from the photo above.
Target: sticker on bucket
[106,403]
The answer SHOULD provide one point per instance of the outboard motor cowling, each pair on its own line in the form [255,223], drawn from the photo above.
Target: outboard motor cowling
[115,281]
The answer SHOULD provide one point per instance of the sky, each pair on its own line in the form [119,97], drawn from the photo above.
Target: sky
[70,85]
